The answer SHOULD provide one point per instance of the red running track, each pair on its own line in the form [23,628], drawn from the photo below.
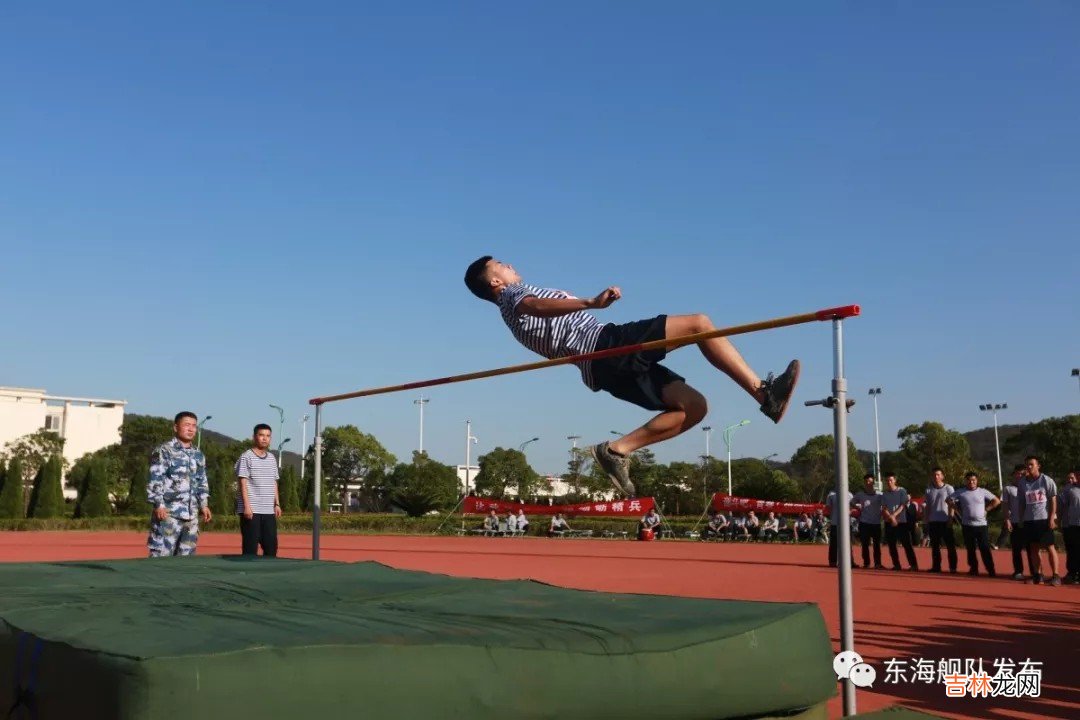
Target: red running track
[897,614]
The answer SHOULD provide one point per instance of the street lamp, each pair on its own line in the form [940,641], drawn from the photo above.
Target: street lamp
[279,446]
[1076,373]
[303,445]
[421,402]
[728,432]
[874,392]
[470,440]
[281,426]
[198,441]
[993,408]
[521,447]
[765,460]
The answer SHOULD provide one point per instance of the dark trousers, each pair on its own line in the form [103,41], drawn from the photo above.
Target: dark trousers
[978,536]
[941,532]
[1072,550]
[1018,545]
[834,538]
[870,532]
[901,533]
[259,530]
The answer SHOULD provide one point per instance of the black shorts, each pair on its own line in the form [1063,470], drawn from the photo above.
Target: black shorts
[637,378]
[1038,532]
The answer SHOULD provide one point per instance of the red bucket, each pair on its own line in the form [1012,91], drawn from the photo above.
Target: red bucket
[647,534]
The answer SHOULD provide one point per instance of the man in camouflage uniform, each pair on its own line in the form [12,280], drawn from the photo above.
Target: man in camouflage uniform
[179,492]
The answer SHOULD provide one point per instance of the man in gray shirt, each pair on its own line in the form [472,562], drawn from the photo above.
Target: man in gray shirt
[1013,523]
[894,502]
[938,516]
[1069,506]
[1038,508]
[973,502]
[868,501]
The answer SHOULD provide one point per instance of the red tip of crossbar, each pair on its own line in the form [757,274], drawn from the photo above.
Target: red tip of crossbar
[844,311]
[315,401]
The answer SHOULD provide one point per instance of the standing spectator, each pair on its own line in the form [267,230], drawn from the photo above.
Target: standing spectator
[522,522]
[558,526]
[770,529]
[1038,503]
[894,509]
[178,490]
[973,503]
[915,514]
[1013,524]
[257,503]
[1069,507]
[868,502]
[938,515]
[837,515]
[651,521]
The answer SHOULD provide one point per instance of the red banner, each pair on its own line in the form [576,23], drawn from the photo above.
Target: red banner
[636,506]
[725,502]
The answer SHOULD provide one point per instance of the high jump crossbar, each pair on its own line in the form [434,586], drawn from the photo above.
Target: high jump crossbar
[844,311]
[837,401]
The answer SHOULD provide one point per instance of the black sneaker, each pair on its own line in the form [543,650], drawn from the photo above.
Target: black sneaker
[1055,581]
[617,468]
[778,391]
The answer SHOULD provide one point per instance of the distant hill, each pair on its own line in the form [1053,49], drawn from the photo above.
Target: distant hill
[290,459]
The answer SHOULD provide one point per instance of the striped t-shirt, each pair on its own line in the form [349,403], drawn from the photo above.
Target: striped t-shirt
[553,337]
[262,476]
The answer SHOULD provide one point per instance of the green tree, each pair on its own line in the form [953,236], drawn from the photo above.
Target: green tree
[140,435]
[1056,441]
[929,445]
[11,495]
[94,500]
[501,469]
[288,491]
[418,488]
[769,485]
[47,496]
[814,467]
[348,456]
[34,450]
[223,487]
[112,457]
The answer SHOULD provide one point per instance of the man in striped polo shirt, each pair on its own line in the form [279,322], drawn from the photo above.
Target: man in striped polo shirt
[554,324]
[257,501]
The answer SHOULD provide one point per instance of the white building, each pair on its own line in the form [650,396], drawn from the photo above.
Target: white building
[86,424]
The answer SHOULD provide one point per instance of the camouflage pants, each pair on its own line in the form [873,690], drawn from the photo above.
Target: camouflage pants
[173,536]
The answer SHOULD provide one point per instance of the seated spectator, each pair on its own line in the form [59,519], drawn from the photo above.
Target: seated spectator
[770,529]
[819,526]
[716,527]
[786,529]
[739,530]
[651,521]
[491,524]
[753,525]
[804,529]
[522,523]
[511,523]
[558,526]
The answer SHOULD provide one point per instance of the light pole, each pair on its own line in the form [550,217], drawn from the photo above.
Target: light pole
[279,446]
[422,402]
[573,456]
[281,427]
[469,442]
[728,432]
[993,408]
[522,446]
[705,464]
[765,460]
[1076,373]
[303,444]
[198,441]
[874,392]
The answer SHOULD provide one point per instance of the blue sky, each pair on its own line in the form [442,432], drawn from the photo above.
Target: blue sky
[217,206]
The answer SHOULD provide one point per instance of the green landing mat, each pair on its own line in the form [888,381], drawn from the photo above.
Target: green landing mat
[228,637]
